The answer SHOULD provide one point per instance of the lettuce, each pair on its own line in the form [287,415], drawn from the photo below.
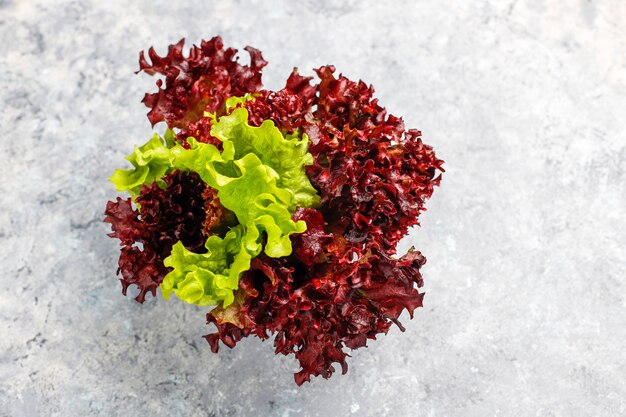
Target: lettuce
[234,171]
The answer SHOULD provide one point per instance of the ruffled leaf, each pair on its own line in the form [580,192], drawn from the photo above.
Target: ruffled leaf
[151,162]
[207,278]
[197,83]
[287,155]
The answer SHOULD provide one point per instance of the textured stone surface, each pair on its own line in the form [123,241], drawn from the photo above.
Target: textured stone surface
[525,308]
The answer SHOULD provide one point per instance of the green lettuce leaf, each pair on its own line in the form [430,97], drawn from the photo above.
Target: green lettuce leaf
[286,155]
[235,101]
[207,278]
[151,162]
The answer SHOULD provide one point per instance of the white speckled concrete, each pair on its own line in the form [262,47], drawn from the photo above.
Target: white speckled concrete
[525,308]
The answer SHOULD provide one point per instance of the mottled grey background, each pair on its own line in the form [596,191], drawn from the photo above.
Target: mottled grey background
[525,308]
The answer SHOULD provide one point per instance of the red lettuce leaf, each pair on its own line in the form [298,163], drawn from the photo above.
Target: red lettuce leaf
[197,83]
[167,216]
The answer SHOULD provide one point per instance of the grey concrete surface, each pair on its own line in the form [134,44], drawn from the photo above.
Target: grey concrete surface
[525,310]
